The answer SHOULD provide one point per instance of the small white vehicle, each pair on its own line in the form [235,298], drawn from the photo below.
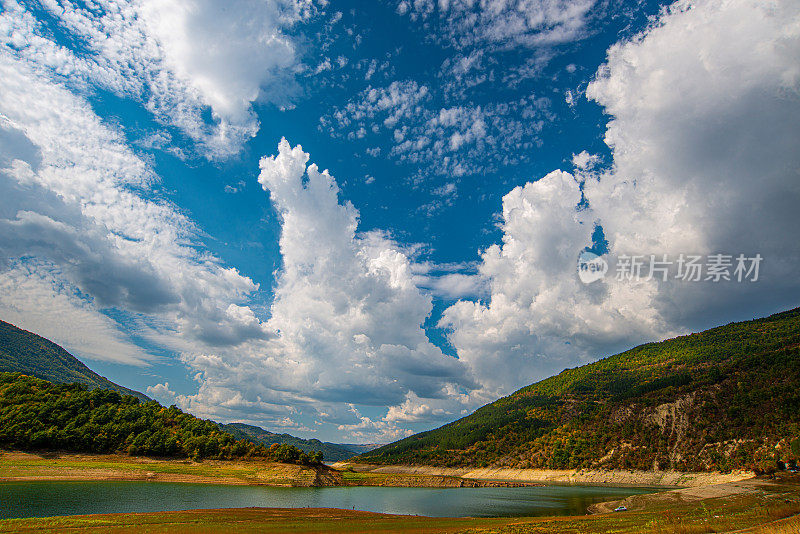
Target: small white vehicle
[622,508]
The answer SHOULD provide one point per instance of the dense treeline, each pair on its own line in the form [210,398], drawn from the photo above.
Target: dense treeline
[39,415]
[727,398]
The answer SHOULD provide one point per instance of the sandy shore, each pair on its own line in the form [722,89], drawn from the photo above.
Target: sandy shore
[544,476]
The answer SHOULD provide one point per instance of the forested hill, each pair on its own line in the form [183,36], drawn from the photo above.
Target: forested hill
[25,352]
[722,399]
[40,415]
[32,355]
[331,451]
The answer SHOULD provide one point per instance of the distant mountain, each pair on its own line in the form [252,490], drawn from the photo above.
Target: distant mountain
[727,398]
[360,448]
[25,352]
[331,452]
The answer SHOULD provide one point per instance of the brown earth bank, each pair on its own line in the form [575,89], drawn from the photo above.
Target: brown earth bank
[25,466]
[425,481]
[752,486]
[550,476]
[17,466]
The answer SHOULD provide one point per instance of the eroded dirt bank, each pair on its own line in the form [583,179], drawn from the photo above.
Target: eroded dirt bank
[757,486]
[18,466]
[543,476]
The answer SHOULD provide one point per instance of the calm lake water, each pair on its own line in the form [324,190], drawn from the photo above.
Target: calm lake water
[42,499]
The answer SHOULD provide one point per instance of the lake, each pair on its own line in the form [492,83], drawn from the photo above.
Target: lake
[43,499]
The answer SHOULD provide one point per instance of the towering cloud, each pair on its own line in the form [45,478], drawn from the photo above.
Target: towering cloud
[704,135]
[347,315]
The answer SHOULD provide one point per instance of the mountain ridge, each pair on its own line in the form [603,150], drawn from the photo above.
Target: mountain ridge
[333,452]
[22,351]
[722,399]
[39,415]
[30,354]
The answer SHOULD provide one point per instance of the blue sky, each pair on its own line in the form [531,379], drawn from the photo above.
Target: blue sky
[153,225]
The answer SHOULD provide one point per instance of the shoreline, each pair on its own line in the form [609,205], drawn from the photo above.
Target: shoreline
[763,504]
[622,478]
[17,466]
[733,505]
[750,486]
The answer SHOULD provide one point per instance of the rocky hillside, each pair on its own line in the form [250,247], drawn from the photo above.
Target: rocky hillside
[727,398]
[25,352]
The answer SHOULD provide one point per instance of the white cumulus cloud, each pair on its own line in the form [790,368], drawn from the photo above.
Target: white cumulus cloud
[704,136]
[178,58]
[347,314]
[79,202]
[161,392]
